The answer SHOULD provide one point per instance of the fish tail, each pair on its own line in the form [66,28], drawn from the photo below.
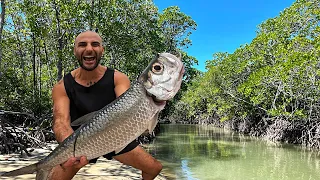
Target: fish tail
[24,170]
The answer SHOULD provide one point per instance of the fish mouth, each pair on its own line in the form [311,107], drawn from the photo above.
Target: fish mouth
[157,101]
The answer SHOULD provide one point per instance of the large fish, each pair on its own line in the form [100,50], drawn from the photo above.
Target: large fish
[116,125]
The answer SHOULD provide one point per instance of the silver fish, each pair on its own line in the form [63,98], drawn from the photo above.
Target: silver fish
[116,125]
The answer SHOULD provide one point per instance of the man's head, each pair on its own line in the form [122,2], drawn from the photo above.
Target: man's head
[88,50]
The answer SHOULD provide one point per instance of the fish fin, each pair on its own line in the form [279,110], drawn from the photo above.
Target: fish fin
[83,119]
[24,170]
[120,149]
[43,174]
[153,123]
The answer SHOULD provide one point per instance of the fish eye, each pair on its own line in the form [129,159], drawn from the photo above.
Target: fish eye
[157,68]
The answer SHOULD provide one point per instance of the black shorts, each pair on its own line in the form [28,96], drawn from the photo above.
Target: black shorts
[128,148]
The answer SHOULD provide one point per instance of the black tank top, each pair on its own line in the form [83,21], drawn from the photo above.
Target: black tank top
[84,100]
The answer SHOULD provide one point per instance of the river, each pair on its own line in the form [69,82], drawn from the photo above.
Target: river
[194,152]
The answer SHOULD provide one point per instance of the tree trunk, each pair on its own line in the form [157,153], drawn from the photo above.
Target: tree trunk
[34,67]
[48,66]
[17,26]
[92,15]
[40,83]
[2,16]
[60,43]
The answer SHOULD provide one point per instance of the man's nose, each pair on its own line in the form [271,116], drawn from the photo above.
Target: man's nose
[89,47]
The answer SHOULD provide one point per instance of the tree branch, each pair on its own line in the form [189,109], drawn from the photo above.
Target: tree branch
[2,112]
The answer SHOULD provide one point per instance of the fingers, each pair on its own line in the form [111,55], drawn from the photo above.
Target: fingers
[82,162]
[75,162]
[69,162]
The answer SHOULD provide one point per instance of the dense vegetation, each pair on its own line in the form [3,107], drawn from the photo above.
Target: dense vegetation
[37,38]
[267,88]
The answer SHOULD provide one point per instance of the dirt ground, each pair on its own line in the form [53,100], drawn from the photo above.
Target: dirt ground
[103,170]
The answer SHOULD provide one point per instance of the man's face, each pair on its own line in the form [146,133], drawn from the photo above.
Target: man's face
[88,50]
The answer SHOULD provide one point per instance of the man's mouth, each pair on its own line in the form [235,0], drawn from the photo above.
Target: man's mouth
[89,58]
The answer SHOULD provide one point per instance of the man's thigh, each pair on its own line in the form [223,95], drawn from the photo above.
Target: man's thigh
[137,158]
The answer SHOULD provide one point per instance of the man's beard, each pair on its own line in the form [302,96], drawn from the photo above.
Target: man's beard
[91,68]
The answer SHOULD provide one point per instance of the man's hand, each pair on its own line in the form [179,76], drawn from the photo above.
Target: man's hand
[75,163]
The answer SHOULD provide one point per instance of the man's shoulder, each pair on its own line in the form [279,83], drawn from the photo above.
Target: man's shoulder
[121,82]
[119,75]
[73,72]
[58,85]
[59,90]
[116,71]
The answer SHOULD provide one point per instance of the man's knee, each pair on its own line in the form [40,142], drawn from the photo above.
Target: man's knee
[156,167]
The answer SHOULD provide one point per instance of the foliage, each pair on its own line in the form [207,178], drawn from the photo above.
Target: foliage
[275,76]
[37,43]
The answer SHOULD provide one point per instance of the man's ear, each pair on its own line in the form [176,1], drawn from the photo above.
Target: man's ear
[74,50]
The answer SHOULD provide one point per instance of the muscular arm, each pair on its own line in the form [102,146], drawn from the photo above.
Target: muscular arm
[62,128]
[61,118]
[121,83]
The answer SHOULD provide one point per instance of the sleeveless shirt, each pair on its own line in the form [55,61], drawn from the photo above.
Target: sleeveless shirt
[84,100]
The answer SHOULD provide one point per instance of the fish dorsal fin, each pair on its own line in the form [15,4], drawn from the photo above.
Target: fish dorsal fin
[83,119]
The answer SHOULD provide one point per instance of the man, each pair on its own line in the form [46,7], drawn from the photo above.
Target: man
[86,89]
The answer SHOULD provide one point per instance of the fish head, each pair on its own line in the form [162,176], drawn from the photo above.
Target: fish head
[163,76]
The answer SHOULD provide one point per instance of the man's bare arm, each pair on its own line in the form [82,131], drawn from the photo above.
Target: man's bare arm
[61,109]
[61,125]
[121,83]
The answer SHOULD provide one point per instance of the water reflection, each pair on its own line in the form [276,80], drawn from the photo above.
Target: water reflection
[186,170]
[204,152]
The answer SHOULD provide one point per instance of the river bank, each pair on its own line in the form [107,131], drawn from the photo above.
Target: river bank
[103,169]
[299,132]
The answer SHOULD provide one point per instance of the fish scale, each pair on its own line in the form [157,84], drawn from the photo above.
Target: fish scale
[113,126]
[119,123]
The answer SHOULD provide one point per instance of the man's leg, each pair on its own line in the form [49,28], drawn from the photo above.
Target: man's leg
[140,159]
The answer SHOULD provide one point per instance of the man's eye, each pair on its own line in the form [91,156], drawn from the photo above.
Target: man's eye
[95,44]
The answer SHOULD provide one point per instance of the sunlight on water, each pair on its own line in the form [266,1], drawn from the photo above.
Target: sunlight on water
[205,153]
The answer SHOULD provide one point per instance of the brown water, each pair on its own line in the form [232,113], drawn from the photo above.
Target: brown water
[206,153]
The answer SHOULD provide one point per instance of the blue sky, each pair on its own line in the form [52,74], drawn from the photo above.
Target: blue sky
[224,25]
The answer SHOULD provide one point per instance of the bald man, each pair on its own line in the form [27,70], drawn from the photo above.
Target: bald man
[86,89]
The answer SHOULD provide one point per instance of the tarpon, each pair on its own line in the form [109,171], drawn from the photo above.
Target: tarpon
[113,127]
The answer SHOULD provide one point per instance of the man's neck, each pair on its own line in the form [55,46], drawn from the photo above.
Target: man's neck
[85,75]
